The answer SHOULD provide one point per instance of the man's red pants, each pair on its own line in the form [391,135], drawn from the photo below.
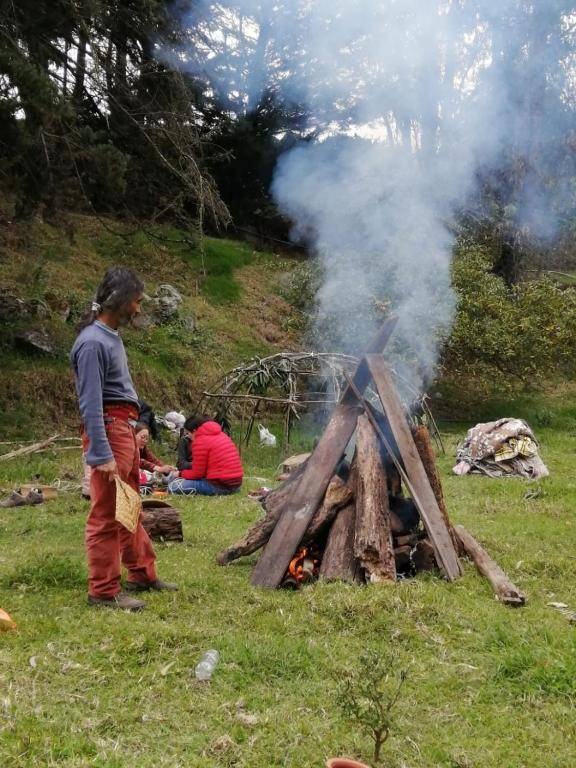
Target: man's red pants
[107,541]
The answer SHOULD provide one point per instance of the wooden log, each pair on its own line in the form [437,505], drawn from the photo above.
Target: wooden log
[413,472]
[292,462]
[261,531]
[338,495]
[29,449]
[404,516]
[402,560]
[394,480]
[339,562]
[504,589]
[409,539]
[162,523]
[423,556]
[373,536]
[318,472]
[426,452]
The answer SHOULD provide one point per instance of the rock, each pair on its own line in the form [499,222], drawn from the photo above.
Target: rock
[142,322]
[39,308]
[35,341]
[59,306]
[189,323]
[165,303]
[11,307]
[168,291]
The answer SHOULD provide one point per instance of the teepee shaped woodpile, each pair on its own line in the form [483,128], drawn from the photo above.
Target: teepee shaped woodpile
[385,516]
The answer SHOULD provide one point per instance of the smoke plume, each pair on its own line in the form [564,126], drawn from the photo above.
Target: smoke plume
[407,103]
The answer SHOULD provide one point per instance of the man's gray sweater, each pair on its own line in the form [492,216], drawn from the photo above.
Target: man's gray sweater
[101,369]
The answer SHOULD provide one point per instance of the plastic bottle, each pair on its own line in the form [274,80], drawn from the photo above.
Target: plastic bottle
[207,664]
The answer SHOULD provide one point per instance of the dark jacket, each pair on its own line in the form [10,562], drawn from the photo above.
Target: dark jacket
[184,461]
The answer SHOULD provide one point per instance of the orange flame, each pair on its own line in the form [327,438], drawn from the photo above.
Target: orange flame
[304,565]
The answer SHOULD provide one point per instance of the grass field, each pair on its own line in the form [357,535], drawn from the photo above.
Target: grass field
[487,687]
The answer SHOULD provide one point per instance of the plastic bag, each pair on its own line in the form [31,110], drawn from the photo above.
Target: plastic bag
[266,437]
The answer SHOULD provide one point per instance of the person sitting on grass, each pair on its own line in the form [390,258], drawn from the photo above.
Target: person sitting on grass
[150,465]
[216,465]
[148,461]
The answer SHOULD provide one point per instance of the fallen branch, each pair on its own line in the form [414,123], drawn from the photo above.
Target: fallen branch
[59,439]
[504,589]
[28,449]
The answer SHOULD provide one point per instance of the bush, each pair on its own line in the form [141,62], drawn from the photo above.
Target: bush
[507,337]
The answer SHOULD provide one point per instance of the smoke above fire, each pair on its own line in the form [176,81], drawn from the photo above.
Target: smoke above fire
[406,103]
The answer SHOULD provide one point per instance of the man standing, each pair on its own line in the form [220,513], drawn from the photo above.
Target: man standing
[109,410]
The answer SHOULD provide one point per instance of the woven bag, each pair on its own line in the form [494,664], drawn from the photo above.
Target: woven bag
[128,505]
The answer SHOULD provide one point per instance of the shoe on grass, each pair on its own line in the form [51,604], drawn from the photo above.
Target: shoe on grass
[14,500]
[145,586]
[34,497]
[122,601]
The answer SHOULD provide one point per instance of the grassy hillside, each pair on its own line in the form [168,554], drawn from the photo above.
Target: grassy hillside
[228,289]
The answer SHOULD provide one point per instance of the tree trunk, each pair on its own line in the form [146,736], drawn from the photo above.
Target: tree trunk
[339,562]
[373,537]
[503,588]
[78,92]
[162,523]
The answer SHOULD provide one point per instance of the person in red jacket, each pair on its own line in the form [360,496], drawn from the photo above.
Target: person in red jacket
[216,465]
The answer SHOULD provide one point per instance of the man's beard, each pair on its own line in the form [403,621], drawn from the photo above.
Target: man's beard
[127,320]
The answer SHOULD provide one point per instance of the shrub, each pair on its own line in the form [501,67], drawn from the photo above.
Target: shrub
[507,337]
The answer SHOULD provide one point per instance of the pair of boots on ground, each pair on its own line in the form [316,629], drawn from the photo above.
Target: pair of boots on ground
[125,602]
[16,499]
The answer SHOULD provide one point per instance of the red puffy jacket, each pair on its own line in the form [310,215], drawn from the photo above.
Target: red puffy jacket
[214,457]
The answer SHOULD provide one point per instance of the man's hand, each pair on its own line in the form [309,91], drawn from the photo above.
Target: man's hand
[109,470]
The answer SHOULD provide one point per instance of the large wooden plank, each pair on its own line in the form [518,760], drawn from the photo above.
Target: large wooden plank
[417,479]
[318,472]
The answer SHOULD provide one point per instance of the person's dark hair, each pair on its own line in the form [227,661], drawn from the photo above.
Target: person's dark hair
[193,422]
[140,426]
[119,286]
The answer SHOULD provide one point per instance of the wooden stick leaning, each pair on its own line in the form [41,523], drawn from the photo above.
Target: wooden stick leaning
[34,448]
[318,472]
[423,444]
[412,472]
[507,592]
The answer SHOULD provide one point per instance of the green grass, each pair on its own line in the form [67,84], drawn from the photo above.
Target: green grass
[488,687]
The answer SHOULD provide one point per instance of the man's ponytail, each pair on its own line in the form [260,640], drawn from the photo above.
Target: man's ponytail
[119,286]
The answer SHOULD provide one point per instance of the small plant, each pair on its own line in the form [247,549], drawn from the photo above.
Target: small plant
[370,694]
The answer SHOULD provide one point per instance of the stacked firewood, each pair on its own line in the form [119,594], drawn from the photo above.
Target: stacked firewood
[382,518]
[366,528]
